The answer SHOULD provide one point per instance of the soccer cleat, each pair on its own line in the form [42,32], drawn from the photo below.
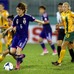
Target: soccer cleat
[56,63]
[16,69]
[44,53]
[72,60]
[19,61]
[54,52]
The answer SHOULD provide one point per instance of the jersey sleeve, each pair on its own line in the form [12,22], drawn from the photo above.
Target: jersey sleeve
[45,17]
[6,14]
[31,18]
[72,14]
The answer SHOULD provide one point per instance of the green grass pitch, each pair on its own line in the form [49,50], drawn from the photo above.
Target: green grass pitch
[36,64]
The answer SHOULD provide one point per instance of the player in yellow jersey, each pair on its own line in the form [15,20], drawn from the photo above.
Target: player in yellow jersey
[67,21]
[10,35]
[3,22]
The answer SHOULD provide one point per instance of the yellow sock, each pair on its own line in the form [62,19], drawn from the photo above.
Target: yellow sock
[62,53]
[0,46]
[1,58]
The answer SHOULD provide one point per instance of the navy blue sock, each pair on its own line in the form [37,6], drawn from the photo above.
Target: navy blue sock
[52,46]
[42,45]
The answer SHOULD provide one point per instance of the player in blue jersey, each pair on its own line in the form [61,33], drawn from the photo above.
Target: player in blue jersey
[21,24]
[46,32]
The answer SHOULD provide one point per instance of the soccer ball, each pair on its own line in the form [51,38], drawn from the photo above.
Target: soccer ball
[8,66]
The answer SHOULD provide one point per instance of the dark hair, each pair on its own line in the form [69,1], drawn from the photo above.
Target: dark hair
[22,6]
[11,17]
[60,4]
[43,7]
[2,4]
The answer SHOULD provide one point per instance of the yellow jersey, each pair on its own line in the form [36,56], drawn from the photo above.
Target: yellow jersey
[70,17]
[4,22]
[10,35]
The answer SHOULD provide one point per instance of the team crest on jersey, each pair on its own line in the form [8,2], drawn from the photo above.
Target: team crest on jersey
[24,20]
[17,21]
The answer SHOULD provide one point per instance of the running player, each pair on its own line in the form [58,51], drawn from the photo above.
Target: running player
[67,21]
[3,22]
[10,35]
[61,33]
[21,24]
[46,32]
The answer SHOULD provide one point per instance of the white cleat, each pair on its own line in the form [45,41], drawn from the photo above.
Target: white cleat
[54,53]
[44,53]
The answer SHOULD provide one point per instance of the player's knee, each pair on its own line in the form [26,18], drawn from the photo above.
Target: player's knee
[12,51]
[40,40]
[59,43]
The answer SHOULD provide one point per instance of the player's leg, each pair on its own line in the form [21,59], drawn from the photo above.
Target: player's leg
[2,56]
[0,46]
[42,36]
[0,42]
[71,51]
[61,35]
[59,43]
[62,54]
[21,44]
[13,47]
[67,39]
[49,39]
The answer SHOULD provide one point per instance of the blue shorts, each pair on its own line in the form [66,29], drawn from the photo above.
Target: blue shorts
[19,42]
[46,35]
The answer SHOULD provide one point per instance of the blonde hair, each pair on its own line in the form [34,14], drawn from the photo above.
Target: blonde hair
[66,3]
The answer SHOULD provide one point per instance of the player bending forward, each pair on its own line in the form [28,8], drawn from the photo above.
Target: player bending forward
[46,32]
[21,23]
[10,35]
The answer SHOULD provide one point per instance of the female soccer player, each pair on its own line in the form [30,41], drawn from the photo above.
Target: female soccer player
[61,33]
[3,23]
[68,22]
[10,35]
[46,32]
[21,23]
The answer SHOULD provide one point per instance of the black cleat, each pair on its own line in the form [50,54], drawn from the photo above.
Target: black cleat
[72,60]
[17,69]
[56,63]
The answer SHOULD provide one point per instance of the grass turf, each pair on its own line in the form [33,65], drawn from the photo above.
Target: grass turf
[36,64]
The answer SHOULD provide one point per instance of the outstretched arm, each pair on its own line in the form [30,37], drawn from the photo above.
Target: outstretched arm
[39,21]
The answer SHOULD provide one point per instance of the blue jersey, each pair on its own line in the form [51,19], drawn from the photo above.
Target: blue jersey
[22,24]
[45,18]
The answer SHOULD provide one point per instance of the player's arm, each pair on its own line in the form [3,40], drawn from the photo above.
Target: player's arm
[3,26]
[59,25]
[39,21]
[10,28]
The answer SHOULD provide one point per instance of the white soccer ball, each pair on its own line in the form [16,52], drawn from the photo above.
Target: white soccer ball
[8,66]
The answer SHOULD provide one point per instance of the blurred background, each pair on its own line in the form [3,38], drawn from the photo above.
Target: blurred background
[33,5]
